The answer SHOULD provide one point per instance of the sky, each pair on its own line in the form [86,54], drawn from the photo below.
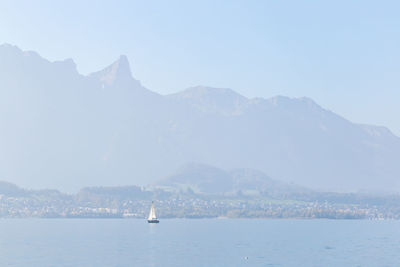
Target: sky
[343,54]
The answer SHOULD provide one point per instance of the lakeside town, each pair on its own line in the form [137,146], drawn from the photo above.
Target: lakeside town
[134,202]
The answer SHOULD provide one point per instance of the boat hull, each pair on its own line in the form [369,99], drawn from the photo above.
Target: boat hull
[153,221]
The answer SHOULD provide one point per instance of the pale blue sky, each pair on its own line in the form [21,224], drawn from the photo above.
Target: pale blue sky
[343,54]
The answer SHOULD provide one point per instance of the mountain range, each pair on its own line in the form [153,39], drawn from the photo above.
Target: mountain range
[60,129]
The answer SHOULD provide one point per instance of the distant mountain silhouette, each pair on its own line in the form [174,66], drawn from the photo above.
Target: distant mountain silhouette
[60,129]
[207,179]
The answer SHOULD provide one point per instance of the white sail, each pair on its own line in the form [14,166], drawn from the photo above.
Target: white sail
[152,215]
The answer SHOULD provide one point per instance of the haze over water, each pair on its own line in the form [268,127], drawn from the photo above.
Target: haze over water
[277,115]
[208,242]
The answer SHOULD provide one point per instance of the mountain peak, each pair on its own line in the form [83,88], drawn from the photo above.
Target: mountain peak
[215,100]
[8,46]
[298,103]
[123,64]
[11,51]
[205,91]
[118,72]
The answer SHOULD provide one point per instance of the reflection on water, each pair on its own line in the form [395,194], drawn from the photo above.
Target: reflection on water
[152,239]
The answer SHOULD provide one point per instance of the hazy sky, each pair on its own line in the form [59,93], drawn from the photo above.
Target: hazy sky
[343,54]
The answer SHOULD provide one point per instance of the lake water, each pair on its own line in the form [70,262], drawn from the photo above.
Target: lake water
[198,242]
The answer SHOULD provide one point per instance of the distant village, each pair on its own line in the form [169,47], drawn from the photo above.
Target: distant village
[134,202]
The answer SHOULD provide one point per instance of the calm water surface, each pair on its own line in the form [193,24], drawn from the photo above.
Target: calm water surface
[208,242]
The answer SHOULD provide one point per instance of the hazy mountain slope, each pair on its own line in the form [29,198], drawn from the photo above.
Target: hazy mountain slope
[61,129]
[201,178]
[64,130]
[208,179]
[296,140]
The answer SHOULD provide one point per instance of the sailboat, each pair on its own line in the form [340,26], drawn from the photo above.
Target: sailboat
[152,216]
